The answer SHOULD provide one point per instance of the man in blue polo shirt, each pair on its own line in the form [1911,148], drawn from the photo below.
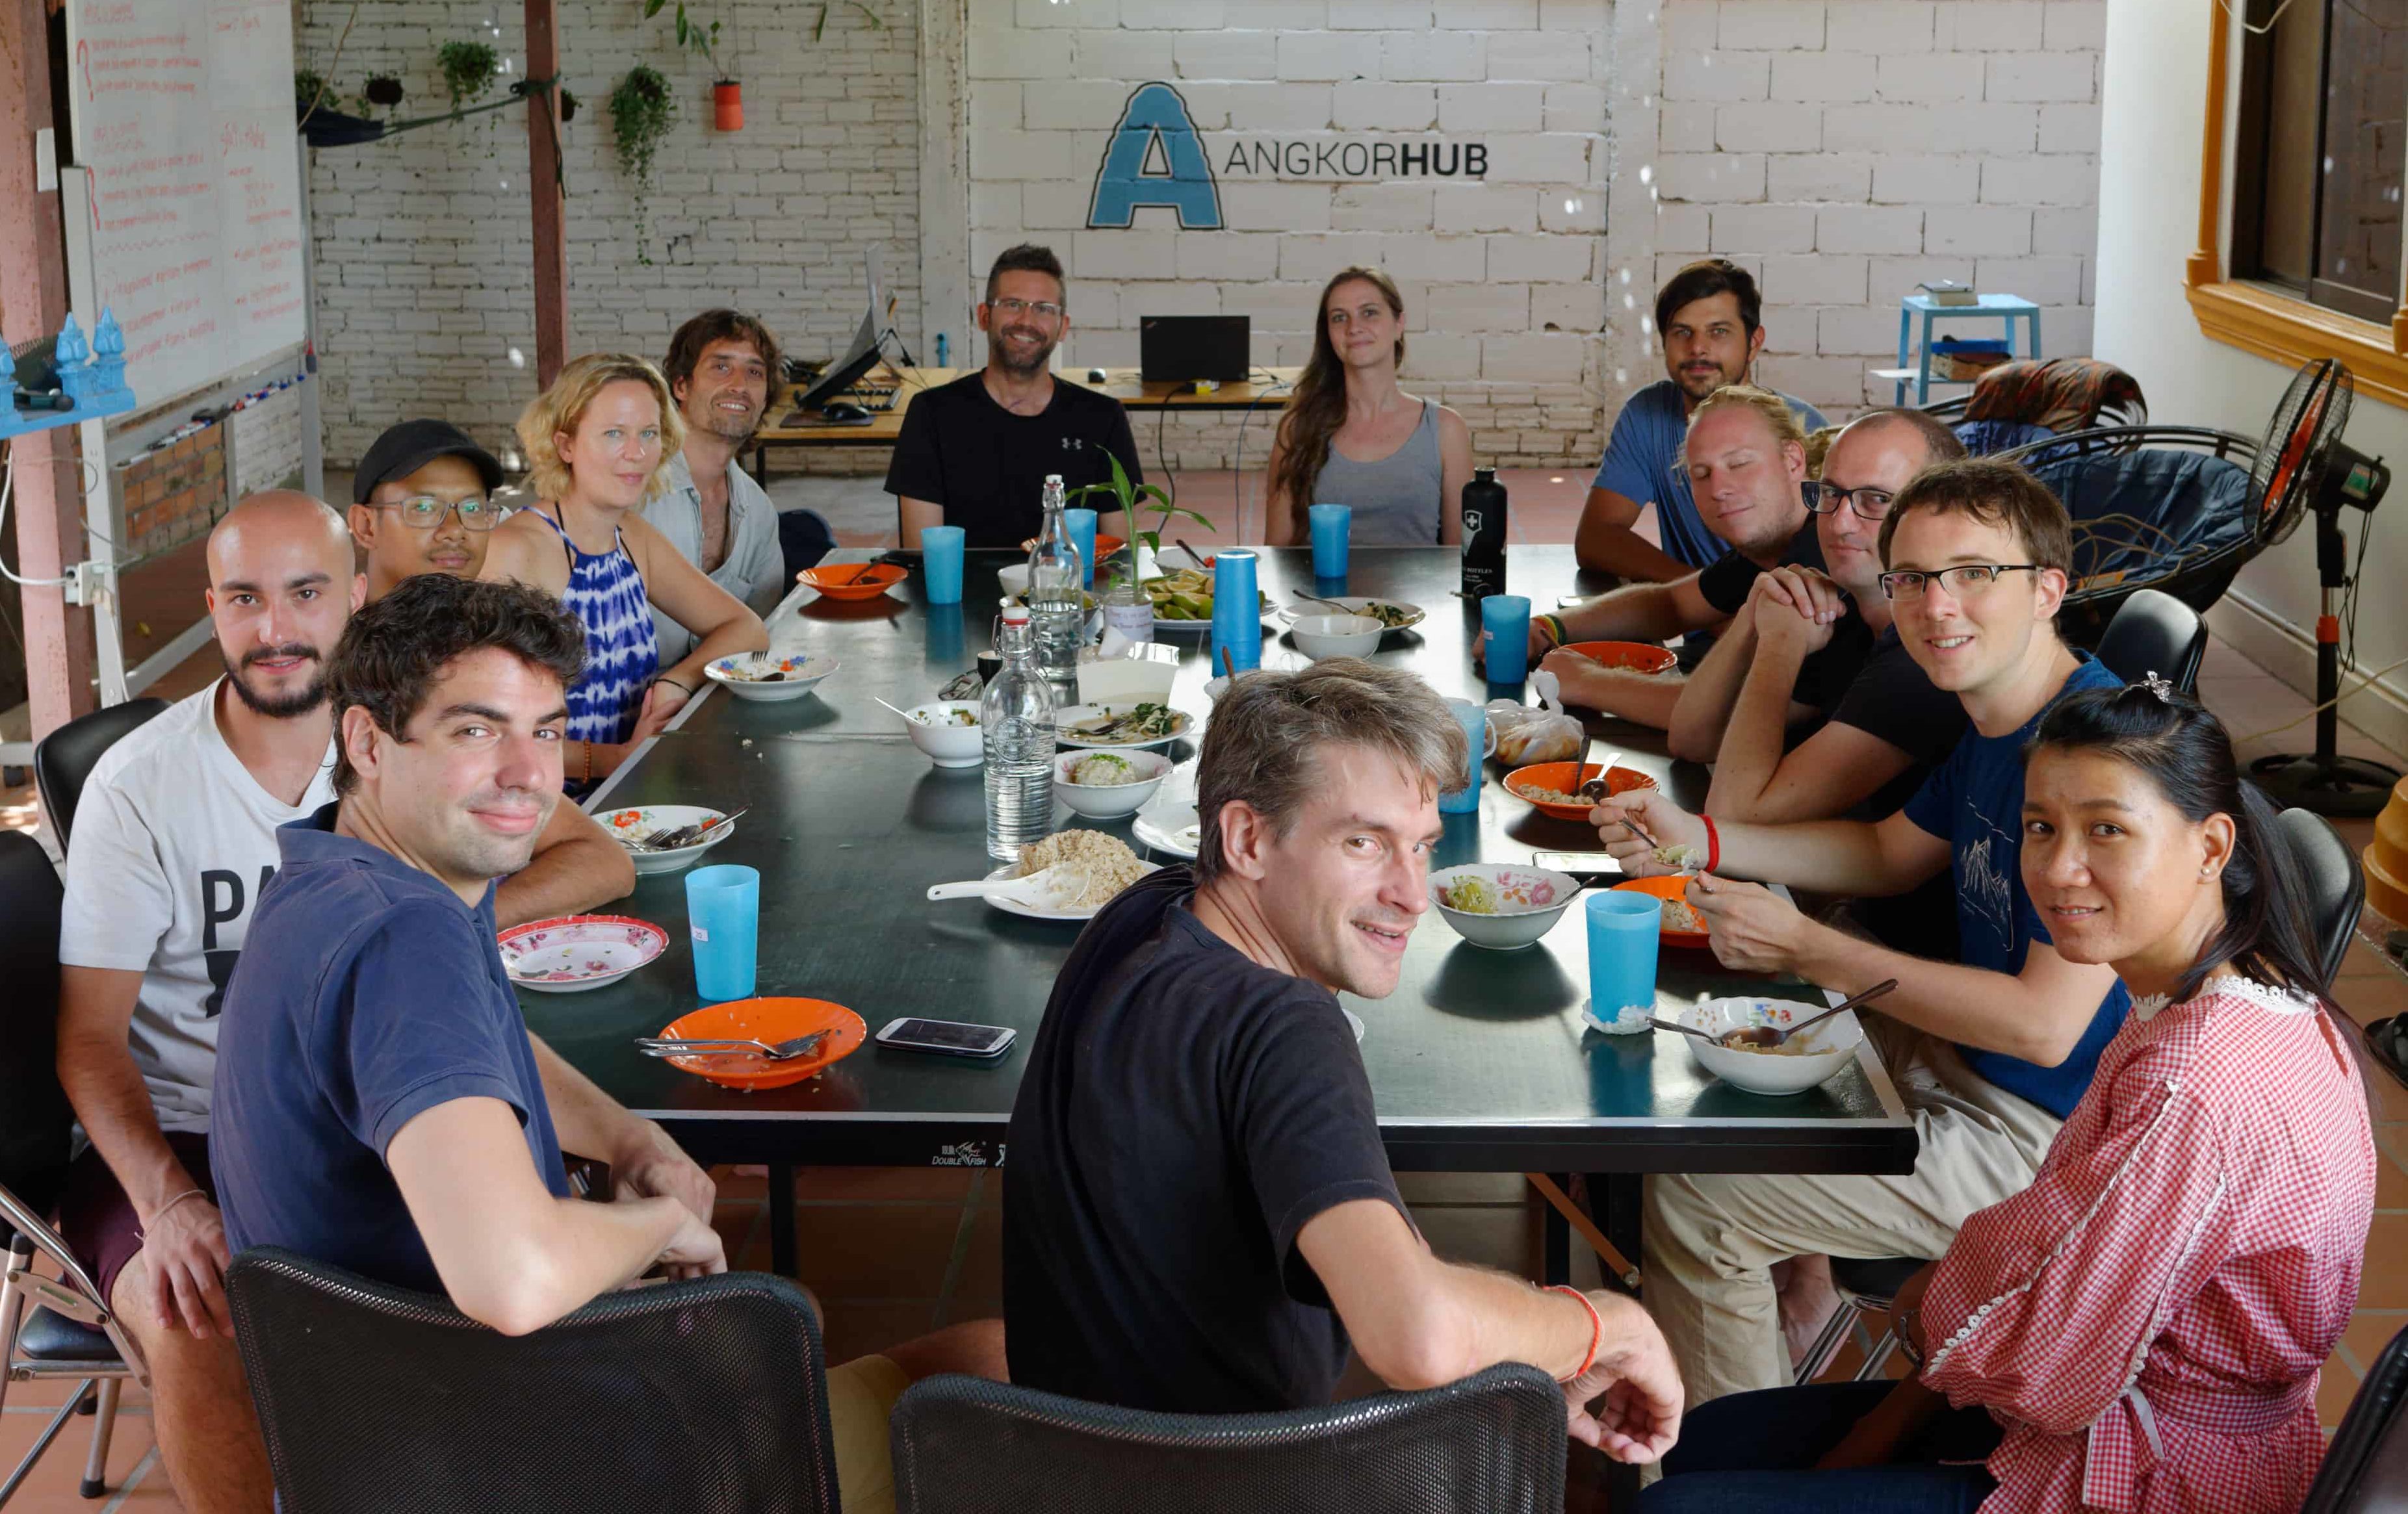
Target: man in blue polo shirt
[379,1103]
[1707,318]
[1990,1053]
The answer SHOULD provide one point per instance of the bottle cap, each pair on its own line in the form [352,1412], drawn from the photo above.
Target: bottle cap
[1015,615]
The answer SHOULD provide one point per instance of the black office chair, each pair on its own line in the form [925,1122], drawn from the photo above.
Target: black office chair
[804,536]
[2154,632]
[708,1396]
[65,758]
[2366,1467]
[69,1331]
[2336,892]
[1492,1442]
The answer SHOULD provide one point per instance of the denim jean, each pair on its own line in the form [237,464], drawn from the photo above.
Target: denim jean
[1752,1454]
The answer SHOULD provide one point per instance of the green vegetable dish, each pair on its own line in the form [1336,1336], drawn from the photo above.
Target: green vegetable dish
[1144,722]
[1185,596]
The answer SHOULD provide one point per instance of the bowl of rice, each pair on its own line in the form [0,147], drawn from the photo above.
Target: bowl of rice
[1683,925]
[1104,862]
[1500,907]
[1808,1060]
[1107,785]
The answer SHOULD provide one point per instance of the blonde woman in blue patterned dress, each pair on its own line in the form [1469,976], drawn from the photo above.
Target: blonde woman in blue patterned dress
[598,443]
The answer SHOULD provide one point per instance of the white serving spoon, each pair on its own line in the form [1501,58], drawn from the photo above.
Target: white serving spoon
[1051,888]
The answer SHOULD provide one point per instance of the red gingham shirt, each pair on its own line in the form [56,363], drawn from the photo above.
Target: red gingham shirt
[2146,1320]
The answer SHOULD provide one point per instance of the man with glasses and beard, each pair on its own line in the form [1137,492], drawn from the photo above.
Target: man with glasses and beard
[975,453]
[174,837]
[722,369]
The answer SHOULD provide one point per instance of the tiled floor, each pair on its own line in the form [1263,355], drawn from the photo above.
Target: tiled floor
[892,1254]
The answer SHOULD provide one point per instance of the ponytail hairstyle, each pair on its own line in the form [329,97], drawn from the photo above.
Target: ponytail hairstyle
[1318,406]
[2187,753]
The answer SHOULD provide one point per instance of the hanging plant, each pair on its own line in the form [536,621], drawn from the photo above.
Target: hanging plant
[702,41]
[567,105]
[819,29]
[308,86]
[641,111]
[468,70]
[382,90]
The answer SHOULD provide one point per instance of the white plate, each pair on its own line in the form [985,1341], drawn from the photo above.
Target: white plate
[651,820]
[1013,907]
[1172,829]
[1290,613]
[1181,726]
[576,952]
[803,674]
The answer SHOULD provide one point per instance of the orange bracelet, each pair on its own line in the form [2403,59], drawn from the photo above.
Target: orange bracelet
[1596,1329]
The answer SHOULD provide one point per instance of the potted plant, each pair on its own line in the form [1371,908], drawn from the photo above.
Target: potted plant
[642,110]
[468,70]
[726,93]
[383,90]
[1130,498]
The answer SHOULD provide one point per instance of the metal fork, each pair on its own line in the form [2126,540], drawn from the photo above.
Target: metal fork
[801,1046]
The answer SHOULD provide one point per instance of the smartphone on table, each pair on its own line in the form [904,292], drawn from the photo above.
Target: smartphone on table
[947,1038]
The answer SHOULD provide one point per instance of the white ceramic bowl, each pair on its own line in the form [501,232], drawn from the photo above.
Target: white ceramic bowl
[1118,800]
[948,746]
[1829,1047]
[802,673]
[1013,577]
[1530,901]
[652,819]
[1336,636]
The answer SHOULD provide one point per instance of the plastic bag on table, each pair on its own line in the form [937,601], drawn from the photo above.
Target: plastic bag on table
[1542,735]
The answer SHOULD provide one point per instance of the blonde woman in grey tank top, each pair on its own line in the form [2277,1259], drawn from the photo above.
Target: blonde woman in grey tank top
[1351,437]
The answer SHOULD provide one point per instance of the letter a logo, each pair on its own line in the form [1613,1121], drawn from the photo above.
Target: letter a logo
[1155,158]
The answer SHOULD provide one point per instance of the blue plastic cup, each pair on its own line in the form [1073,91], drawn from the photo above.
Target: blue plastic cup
[1082,535]
[1236,615]
[723,908]
[1622,935]
[1506,617]
[1330,524]
[946,626]
[1474,721]
[940,564]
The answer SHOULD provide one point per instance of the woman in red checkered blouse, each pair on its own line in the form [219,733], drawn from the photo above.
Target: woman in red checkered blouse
[2139,1330]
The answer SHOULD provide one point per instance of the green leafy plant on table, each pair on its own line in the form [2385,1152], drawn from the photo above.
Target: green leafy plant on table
[1128,497]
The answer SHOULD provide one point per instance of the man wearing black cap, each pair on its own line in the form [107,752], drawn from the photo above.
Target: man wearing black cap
[423,502]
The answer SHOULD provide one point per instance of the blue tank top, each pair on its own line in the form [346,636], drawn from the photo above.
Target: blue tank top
[605,593]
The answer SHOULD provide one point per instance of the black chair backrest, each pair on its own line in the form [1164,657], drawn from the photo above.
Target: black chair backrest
[2155,633]
[702,1397]
[803,539]
[2336,886]
[2366,1467]
[65,758]
[1492,1442]
[35,1122]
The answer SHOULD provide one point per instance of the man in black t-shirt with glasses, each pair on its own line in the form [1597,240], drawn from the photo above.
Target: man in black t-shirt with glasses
[1199,1214]
[974,453]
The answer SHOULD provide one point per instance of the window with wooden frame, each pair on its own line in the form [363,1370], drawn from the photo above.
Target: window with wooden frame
[2318,109]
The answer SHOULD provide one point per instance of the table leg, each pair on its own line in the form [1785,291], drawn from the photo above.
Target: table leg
[781,1220]
[1905,328]
[761,464]
[2035,336]
[1613,1201]
[1556,1256]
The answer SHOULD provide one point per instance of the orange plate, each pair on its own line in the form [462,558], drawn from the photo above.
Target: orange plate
[1666,888]
[1638,656]
[771,1020]
[853,580]
[1106,545]
[1564,778]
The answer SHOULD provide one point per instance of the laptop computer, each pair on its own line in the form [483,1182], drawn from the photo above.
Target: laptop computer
[1177,349]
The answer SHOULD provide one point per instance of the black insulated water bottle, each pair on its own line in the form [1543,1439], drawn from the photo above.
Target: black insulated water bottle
[1484,535]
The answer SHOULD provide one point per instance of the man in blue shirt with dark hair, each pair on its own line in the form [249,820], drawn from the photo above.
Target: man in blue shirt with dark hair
[1989,1054]
[1709,316]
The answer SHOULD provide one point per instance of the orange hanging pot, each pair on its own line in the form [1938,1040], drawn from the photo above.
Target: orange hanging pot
[727,106]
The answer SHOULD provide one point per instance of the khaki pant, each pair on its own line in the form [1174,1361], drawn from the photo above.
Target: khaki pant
[861,1399]
[1711,1241]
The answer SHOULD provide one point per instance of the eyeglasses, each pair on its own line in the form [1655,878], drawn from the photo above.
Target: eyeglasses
[1962,581]
[1014,309]
[425,512]
[1870,504]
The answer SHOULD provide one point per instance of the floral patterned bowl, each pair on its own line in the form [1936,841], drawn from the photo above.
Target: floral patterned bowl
[578,952]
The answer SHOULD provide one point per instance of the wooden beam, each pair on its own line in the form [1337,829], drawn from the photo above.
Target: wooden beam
[548,205]
[2205,265]
[32,302]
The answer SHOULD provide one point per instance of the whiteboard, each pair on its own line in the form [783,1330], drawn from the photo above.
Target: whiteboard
[182,113]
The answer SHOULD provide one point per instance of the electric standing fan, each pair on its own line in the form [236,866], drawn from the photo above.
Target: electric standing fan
[2305,466]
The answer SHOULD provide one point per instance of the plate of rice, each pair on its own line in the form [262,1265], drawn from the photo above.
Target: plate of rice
[1110,865]
[1683,925]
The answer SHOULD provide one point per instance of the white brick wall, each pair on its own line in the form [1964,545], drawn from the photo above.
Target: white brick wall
[424,284]
[1500,276]
[1846,151]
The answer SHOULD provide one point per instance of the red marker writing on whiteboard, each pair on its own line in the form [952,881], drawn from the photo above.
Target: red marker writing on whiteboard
[83,60]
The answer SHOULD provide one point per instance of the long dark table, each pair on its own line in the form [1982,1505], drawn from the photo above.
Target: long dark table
[1478,1062]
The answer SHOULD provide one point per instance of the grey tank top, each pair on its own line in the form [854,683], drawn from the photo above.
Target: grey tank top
[1396,500]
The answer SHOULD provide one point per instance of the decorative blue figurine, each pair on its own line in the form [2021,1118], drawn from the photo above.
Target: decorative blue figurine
[107,386]
[72,358]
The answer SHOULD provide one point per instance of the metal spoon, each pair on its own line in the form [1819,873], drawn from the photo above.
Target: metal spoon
[801,1046]
[1316,599]
[1771,1036]
[1686,1030]
[1594,790]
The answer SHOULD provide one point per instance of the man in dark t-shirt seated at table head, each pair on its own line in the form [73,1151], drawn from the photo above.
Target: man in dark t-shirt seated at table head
[975,453]
[380,1104]
[1200,1215]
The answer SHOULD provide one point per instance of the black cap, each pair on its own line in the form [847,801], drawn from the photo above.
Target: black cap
[405,448]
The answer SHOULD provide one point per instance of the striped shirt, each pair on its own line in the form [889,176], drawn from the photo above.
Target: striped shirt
[605,593]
